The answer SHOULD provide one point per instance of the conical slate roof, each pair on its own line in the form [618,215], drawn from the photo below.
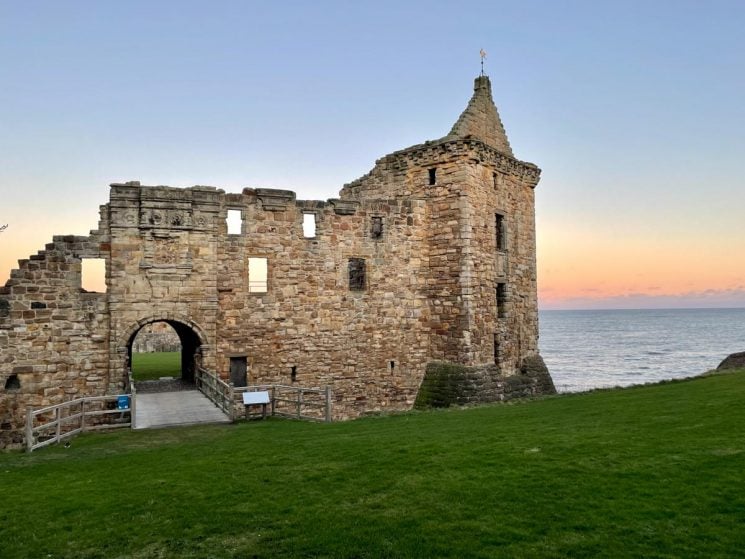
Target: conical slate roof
[481,120]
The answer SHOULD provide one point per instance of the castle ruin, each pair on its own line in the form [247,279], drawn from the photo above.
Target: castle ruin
[423,267]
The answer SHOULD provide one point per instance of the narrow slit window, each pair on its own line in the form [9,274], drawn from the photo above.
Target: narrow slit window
[234,221]
[309,225]
[293,373]
[497,355]
[377,227]
[494,179]
[93,275]
[432,176]
[258,277]
[501,293]
[391,365]
[356,274]
[499,232]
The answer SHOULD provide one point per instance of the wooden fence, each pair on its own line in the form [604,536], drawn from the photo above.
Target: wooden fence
[217,391]
[295,402]
[52,424]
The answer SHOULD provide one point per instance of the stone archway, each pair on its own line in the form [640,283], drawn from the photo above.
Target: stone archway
[192,338]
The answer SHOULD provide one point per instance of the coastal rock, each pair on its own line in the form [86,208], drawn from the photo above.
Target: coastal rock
[733,361]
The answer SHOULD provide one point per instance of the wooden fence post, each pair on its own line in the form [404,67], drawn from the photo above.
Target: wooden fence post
[58,430]
[82,416]
[273,388]
[328,404]
[29,429]
[299,401]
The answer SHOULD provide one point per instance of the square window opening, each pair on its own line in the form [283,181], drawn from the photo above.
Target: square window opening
[93,275]
[234,221]
[309,225]
[12,383]
[258,277]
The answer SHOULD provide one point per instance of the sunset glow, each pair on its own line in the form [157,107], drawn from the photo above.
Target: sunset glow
[635,117]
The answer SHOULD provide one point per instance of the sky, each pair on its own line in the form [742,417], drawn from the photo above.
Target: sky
[634,110]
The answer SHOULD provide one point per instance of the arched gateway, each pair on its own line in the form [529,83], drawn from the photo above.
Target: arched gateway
[192,338]
[425,262]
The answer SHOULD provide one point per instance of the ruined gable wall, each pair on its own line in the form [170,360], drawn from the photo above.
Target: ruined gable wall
[309,318]
[53,336]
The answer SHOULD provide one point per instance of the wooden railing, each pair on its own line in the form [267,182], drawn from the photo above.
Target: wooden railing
[295,402]
[132,390]
[52,424]
[217,391]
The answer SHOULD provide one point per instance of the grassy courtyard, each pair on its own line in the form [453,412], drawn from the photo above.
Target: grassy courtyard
[654,472]
[152,366]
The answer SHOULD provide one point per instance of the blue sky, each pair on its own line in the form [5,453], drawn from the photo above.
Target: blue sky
[633,110]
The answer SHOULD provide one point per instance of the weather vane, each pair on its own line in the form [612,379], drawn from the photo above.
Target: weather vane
[482,53]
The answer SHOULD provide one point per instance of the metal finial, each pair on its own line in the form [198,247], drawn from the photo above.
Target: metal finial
[482,53]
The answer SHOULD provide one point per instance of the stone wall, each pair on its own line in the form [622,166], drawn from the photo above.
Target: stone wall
[53,334]
[156,337]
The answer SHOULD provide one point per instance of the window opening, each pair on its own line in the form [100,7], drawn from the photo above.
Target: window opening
[293,373]
[499,232]
[432,176]
[496,349]
[391,365]
[234,221]
[12,383]
[494,180]
[309,225]
[4,308]
[258,281]
[501,293]
[377,227]
[357,274]
[93,275]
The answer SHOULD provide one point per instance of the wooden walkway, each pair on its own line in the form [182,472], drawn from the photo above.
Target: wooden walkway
[169,409]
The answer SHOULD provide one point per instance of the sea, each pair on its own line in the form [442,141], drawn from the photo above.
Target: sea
[587,349]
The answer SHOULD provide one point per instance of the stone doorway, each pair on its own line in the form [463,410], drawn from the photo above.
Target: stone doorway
[171,344]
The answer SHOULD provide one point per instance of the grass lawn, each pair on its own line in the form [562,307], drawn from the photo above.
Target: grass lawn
[655,471]
[152,366]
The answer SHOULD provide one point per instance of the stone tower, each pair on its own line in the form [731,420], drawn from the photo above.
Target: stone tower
[417,284]
[480,239]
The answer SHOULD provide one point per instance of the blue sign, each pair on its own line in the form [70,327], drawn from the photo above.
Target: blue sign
[122,402]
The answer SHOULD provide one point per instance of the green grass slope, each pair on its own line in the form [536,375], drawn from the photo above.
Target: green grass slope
[152,366]
[655,471]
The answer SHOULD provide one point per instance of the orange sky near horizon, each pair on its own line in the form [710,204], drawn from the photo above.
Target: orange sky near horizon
[578,266]
[589,267]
